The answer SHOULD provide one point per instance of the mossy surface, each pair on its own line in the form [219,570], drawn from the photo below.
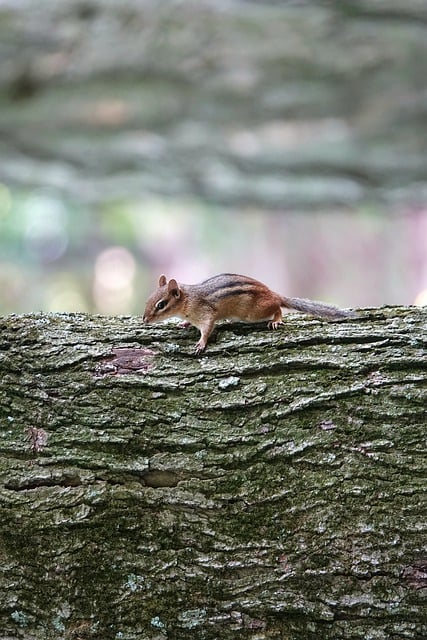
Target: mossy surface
[272,488]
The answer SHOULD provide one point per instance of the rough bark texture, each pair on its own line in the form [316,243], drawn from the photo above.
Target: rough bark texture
[271,104]
[272,488]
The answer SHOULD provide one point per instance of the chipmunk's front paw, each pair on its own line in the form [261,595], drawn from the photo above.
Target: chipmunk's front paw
[200,346]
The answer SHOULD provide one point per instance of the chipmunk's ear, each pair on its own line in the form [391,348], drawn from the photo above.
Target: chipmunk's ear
[162,280]
[173,288]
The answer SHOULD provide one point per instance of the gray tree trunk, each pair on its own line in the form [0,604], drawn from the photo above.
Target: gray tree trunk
[272,488]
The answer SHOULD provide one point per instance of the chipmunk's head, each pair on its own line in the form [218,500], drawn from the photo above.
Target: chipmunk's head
[163,302]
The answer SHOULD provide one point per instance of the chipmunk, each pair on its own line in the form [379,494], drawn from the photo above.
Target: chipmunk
[227,296]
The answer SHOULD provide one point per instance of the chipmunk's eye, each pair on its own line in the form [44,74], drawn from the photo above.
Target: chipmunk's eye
[161,305]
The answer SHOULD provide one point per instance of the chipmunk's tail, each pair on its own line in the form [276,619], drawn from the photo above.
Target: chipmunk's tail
[319,309]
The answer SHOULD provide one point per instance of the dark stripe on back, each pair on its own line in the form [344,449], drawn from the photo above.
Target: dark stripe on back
[219,283]
[233,292]
[227,292]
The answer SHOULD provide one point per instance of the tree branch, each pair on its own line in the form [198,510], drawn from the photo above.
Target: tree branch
[270,488]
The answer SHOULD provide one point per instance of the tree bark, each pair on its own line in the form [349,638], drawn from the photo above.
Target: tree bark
[271,488]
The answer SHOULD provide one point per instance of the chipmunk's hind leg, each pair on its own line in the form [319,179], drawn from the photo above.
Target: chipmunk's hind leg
[277,320]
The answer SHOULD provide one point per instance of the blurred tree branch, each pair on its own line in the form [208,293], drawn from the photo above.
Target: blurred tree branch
[279,105]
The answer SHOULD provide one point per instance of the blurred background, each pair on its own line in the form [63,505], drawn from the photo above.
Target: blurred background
[282,140]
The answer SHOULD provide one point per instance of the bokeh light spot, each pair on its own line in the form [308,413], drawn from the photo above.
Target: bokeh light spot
[421,298]
[115,270]
[46,236]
